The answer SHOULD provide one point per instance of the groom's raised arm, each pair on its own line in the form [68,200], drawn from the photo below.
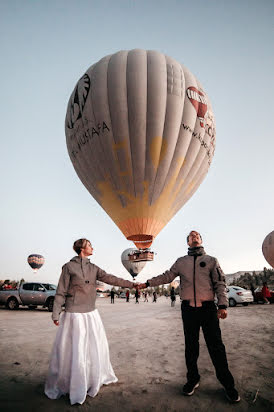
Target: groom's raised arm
[167,277]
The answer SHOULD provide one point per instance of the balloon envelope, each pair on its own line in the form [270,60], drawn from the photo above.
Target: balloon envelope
[141,136]
[36,261]
[268,248]
[134,268]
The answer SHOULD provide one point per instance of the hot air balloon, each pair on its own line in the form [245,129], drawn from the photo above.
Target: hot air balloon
[268,248]
[36,262]
[140,134]
[133,267]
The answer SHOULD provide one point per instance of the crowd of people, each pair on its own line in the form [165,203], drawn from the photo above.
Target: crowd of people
[145,295]
[265,292]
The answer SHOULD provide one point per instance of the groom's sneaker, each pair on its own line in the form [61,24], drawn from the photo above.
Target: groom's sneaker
[190,387]
[232,395]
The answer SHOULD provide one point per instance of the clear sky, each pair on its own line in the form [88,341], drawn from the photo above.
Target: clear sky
[46,46]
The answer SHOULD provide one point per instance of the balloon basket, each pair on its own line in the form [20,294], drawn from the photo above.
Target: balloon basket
[141,256]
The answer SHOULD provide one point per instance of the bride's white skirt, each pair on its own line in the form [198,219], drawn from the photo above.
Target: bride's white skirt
[80,362]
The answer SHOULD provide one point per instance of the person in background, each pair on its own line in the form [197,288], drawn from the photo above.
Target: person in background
[112,296]
[252,289]
[201,278]
[127,295]
[154,297]
[137,294]
[266,293]
[172,296]
[80,362]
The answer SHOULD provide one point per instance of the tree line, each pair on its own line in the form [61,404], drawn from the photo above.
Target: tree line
[256,279]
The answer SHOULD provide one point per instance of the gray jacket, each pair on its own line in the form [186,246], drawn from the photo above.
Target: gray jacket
[77,286]
[201,278]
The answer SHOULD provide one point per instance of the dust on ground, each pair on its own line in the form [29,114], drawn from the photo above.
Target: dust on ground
[147,353]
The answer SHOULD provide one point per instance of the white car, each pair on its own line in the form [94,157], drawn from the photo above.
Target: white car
[238,295]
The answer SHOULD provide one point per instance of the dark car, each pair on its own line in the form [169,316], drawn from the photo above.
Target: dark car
[259,296]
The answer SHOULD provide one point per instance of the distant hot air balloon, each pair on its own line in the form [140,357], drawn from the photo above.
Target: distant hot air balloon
[134,268]
[268,248]
[36,262]
[141,136]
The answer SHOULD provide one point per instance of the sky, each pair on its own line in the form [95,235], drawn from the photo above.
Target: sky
[46,46]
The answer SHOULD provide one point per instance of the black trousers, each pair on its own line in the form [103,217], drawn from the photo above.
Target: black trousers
[205,317]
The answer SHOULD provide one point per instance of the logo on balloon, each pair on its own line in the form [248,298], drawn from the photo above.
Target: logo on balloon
[199,103]
[78,101]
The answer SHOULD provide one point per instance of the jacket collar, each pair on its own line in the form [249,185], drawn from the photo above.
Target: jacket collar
[79,259]
[196,251]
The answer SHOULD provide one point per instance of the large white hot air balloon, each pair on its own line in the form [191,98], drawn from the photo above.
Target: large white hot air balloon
[268,248]
[141,136]
[134,268]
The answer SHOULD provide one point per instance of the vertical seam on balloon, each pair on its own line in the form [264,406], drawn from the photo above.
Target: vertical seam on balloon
[79,171]
[158,162]
[144,227]
[173,156]
[129,163]
[111,180]
[120,197]
[193,163]
[129,131]
[139,222]
[146,148]
[109,177]
[155,223]
[191,139]
[193,190]
[94,160]
[157,211]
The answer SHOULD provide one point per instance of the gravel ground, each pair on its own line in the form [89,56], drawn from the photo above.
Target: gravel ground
[147,353]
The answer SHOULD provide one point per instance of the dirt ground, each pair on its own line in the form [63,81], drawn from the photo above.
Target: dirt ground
[147,353]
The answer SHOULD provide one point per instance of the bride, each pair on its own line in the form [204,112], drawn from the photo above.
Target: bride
[80,362]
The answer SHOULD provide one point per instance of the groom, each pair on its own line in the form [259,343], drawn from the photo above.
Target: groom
[201,278]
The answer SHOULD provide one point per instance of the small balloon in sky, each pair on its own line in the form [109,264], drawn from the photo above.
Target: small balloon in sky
[140,134]
[268,248]
[36,261]
[134,268]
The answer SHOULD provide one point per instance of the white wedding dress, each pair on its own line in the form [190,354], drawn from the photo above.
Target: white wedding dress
[80,362]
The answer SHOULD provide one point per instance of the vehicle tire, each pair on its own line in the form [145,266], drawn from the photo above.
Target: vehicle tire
[31,307]
[232,302]
[245,303]
[12,304]
[50,305]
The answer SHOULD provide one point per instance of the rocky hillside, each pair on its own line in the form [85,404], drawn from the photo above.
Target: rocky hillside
[245,279]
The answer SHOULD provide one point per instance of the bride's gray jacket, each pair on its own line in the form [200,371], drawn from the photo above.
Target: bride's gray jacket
[77,286]
[201,278]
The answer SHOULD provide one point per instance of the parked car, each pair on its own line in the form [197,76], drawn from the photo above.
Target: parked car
[29,294]
[122,295]
[237,295]
[259,296]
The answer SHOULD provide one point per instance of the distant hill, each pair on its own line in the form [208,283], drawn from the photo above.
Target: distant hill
[255,277]
[231,277]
